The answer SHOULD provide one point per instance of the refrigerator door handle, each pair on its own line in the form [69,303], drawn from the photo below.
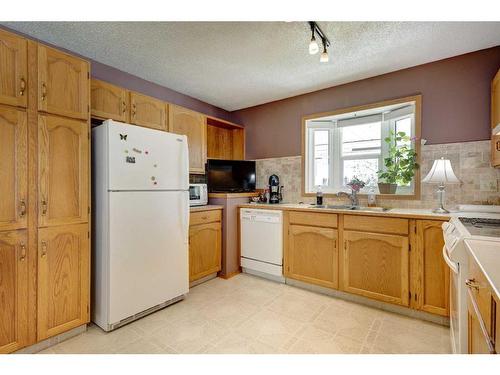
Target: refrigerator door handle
[185,217]
[185,167]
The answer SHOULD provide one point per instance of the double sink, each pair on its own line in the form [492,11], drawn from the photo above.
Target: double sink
[349,207]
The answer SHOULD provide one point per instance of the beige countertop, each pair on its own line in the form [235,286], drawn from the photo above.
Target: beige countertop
[487,255]
[410,213]
[207,207]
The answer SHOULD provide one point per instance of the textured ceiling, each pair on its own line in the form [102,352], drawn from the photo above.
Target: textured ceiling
[235,65]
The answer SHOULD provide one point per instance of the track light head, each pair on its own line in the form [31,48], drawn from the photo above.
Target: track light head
[324,56]
[313,46]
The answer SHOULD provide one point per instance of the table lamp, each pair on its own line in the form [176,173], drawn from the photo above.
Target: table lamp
[441,173]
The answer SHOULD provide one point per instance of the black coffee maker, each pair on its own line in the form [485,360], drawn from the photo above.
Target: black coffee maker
[274,189]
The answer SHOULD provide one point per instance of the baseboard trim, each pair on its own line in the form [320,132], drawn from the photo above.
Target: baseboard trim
[51,341]
[442,320]
[204,279]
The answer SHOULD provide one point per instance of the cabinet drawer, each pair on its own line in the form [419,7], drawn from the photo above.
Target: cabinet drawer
[314,219]
[376,224]
[202,217]
[479,287]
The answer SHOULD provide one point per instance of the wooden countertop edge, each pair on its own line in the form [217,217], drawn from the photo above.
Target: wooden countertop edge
[208,207]
[232,195]
[348,212]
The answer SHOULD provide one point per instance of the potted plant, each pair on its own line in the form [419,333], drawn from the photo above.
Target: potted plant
[400,164]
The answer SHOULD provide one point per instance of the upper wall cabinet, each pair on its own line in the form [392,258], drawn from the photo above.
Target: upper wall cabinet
[63,87]
[13,69]
[109,101]
[225,140]
[495,102]
[495,121]
[193,125]
[13,168]
[63,170]
[147,111]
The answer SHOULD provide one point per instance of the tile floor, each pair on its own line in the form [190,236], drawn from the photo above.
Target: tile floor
[246,314]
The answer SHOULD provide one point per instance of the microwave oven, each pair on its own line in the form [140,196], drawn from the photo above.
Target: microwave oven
[198,194]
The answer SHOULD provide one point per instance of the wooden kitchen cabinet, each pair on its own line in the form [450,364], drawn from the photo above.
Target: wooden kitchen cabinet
[148,112]
[63,170]
[205,244]
[376,266]
[312,255]
[13,291]
[63,84]
[63,279]
[495,121]
[193,125]
[495,101]
[430,284]
[13,168]
[13,69]
[109,101]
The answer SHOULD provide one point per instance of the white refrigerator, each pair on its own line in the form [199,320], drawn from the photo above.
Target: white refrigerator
[140,218]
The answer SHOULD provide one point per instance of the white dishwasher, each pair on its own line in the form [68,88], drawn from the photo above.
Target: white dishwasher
[262,243]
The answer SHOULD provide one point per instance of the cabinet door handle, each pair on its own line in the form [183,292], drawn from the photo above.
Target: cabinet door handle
[23,252]
[22,207]
[22,87]
[134,108]
[44,91]
[124,107]
[471,283]
[44,249]
[497,145]
[44,207]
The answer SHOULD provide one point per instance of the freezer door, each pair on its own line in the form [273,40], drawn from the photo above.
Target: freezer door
[146,159]
[148,260]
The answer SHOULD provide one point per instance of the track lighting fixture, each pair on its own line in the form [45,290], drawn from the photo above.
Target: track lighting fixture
[324,56]
[313,45]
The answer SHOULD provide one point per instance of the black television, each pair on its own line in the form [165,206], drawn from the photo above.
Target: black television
[230,176]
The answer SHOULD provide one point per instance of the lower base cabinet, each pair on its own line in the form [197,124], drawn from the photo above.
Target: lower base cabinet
[205,245]
[376,266]
[13,291]
[312,255]
[63,279]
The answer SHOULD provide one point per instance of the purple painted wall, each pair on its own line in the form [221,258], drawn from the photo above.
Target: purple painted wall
[455,104]
[120,78]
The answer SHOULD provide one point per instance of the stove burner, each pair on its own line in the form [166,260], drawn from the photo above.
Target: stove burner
[480,222]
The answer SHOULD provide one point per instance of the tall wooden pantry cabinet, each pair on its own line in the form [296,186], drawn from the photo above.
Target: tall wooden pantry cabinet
[44,190]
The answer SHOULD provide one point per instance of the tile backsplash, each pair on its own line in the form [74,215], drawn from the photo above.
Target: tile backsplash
[470,161]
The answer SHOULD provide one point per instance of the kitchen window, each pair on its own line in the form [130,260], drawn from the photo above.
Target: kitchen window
[341,146]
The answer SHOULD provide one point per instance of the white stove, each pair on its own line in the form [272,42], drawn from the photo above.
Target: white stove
[470,222]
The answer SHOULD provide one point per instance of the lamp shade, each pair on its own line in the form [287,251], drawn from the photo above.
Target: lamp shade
[441,173]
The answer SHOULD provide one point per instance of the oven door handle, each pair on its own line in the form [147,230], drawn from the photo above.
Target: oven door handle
[449,262]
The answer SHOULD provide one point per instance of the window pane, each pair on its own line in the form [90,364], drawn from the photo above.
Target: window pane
[364,169]
[321,162]
[404,125]
[361,139]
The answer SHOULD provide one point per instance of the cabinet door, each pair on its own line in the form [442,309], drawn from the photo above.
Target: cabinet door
[376,266]
[495,151]
[13,69]
[432,273]
[204,250]
[13,291]
[109,101]
[63,279]
[495,101]
[312,255]
[479,341]
[193,125]
[147,111]
[63,83]
[63,171]
[13,168]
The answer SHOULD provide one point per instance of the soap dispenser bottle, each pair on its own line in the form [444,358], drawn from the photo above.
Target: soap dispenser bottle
[319,196]
[372,200]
